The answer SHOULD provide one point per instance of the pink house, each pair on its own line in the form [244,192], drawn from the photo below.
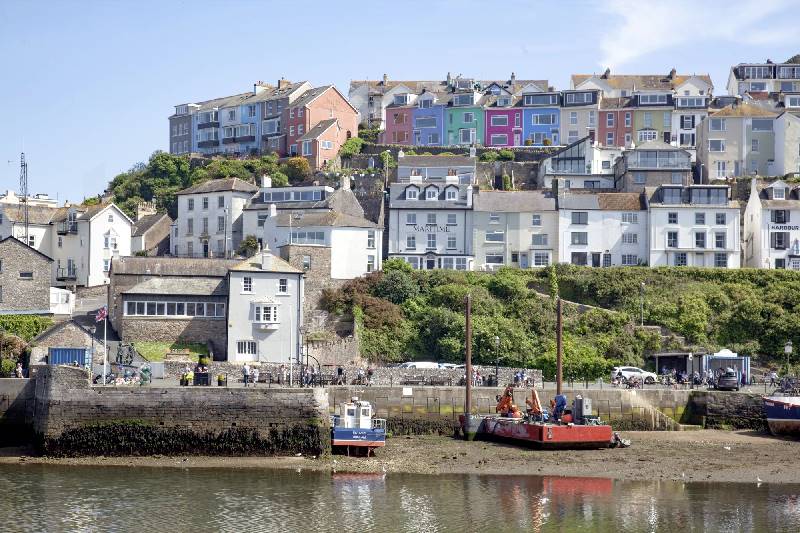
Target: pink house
[503,126]
[399,123]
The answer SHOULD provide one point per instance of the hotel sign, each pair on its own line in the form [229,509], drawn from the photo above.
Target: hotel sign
[783,227]
[432,228]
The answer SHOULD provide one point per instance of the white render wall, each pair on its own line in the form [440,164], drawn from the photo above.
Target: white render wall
[276,345]
[787,144]
[349,251]
[605,229]
[235,201]
[399,231]
[661,255]
[97,229]
[517,239]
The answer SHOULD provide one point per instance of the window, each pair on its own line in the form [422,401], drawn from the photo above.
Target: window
[692,102]
[720,260]
[425,103]
[719,239]
[541,259]
[605,165]
[716,124]
[431,244]
[431,219]
[283,285]
[720,219]
[498,140]
[494,259]
[370,263]
[494,218]
[630,238]
[433,138]
[680,259]
[451,219]
[306,262]
[780,263]
[647,135]
[572,136]
[60,242]
[190,204]
[672,218]
[220,224]
[627,120]
[536,220]
[647,119]
[544,119]
[411,242]
[495,236]
[106,265]
[466,136]
[306,147]
[687,122]
[180,309]
[425,122]
[190,249]
[451,194]
[779,240]
[667,119]
[716,145]
[672,239]
[265,314]
[262,217]
[371,239]
[630,218]
[610,120]
[205,225]
[246,348]
[308,237]
[499,120]
[247,284]
[700,239]
[754,145]
[580,217]
[779,216]
[539,239]
[721,168]
[579,237]
[778,193]
[652,99]
[468,118]
[411,193]
[431,193]
[762,124]
[579,258]
[451,242]
[677,178]
[26,275]
[411,218]
[630,260]
[573,118]
[610,138]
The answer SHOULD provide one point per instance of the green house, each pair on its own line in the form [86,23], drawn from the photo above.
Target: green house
[464,123]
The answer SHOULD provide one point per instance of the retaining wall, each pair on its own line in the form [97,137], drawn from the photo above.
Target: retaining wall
[732,410]
[16,410]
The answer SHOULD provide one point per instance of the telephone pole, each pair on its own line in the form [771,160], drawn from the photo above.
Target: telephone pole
[23,191]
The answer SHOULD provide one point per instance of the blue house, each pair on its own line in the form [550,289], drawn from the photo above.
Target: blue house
[540,118]
[428,120]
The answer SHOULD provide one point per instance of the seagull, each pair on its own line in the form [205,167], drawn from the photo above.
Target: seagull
[727,448]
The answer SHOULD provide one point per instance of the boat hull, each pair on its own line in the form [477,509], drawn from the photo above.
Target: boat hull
[783,415]
[369,438]
[546,436]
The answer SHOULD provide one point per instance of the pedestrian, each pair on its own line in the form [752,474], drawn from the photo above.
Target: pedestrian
[255,375]
[370,373]
[283,374]
[360,376]
[773,377]
[313,376]
[246,373]
[18,371]
[339,375]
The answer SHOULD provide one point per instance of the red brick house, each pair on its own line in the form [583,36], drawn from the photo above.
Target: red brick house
[318,123]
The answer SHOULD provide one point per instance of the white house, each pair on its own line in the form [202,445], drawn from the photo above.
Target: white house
[602,229]
[265,310]
[772,226]
[583,164]
[787,143]
[209,220]
[514,228]
[81,239]
[696,225]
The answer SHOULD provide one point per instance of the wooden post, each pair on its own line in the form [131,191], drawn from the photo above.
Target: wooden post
[468,352]
[559,347]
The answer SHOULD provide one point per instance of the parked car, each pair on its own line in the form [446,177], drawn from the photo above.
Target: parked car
[631,371]
[419,365]
[728,381]
[447,366]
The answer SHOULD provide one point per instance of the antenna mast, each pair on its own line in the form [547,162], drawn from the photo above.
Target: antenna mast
[23,190]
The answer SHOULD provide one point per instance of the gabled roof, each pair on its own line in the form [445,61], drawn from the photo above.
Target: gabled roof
[323,219]
[514,201]
[743,110]
[172,266]
[220,185]
[190,286]
[14,240]
[639,82]
[253,264]
[93,211]
[143,225]
[318,130]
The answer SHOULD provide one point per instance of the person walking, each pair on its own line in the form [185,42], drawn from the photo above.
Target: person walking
[255,376]
[18,371]
[773,378]
[246,373]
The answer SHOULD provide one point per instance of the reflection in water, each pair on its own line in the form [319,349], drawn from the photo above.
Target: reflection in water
[54,498]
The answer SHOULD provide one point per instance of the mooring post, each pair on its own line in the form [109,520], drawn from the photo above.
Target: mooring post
[559,347]
[468,354]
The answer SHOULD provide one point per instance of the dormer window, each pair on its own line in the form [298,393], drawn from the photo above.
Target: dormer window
[463,99]
[401,99]
[504,101]
[411,193]
[425,103]
[451,194]
[652,99]
[431,193]
[779,193]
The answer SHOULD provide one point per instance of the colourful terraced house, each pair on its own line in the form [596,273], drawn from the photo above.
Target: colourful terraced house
[464,119]
[541,118]
[428,123]
[503,121]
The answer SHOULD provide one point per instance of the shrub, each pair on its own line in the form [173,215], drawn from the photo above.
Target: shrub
[248,247]
[396,264]
[351,147]
[24,326]
[7,367]
[297,169]
[505,155]
[396,286]
[489,156]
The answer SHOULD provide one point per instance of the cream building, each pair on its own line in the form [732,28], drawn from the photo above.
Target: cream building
[772,226]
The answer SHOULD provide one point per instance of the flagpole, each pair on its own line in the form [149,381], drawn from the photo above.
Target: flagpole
[105,348]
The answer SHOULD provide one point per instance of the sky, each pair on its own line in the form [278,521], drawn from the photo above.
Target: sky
[88,86]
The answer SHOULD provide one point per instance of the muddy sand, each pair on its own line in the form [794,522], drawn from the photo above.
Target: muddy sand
[707,455]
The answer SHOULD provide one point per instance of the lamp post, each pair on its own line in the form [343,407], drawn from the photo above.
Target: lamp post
[92,331]
[496,360]
[641,303]
[787,349]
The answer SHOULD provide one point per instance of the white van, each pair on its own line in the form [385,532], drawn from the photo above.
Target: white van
[420,365]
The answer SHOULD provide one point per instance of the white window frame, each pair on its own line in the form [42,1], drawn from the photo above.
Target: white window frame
[246,347]
[495,139]
[503,122]
[247,285]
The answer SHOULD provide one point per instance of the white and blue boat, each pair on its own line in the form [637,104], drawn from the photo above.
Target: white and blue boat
[355,430]
[783,414]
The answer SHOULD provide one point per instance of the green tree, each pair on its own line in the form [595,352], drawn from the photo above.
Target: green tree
[489,156]
[248,247]
[505,155]
[351,147]
[396,286]
[396,263]
[297,169]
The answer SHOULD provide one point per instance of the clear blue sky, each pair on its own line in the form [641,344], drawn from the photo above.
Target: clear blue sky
[87,86]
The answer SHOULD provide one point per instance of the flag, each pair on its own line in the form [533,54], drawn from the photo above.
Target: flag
[102,314]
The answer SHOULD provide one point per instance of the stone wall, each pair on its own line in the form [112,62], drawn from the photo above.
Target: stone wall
[23,294]
[721,409]
[520,153]
[98,291]
[341,352]
[67,334]
[16,410]
[198,330]
[75,418]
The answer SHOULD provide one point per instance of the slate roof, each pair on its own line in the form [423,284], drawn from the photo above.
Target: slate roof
[26,247]
[742,110]
[310,95]
[172,266]
[514,201]
[253,264]
[615,103]
[143,225]
[324,218]
[220,185]
[318,130]
[189,286]
[397,197]
[605,201]
[641,81]
[40,215]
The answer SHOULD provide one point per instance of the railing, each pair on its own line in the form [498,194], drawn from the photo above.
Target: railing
[379,423]
[66,273]
[67,227]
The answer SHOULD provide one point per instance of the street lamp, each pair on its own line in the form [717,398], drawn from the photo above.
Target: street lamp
[641,303]
[496,360]
[787,349]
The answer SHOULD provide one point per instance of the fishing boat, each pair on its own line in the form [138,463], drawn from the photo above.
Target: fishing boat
[783,414]
[354,430]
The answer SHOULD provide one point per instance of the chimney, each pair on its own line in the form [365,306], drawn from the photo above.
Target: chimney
[266,258]
[266,182]
[385,79]
[345,183]
[513,78]
[469,196]
[449,79]
[144,209]
[672,73]
[606,74]
[273,211]
[283,83]
[258,87]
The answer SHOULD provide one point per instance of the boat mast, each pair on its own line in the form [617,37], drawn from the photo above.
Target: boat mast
[559,346]
[468,352]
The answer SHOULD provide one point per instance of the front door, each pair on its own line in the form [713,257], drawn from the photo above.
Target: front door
[523,260]
[430,264]
[517,139]
[595,259]
[205,248]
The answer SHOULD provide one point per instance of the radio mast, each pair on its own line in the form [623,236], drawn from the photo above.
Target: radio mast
[23,191]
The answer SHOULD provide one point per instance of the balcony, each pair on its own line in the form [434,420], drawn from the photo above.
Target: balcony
[208,144]
[665,160]
[66,274]
[245,139]
[205,125]
[67,227]
[229,140]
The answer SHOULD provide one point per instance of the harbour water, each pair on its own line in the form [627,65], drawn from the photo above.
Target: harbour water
[82,498]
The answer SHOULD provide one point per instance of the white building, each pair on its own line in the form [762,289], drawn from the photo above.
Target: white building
[696,225]
[265,310]
[787,143]
[209,220]
[766,77]
[81,239]
[581,165]
[772,226]
[602,229]
[518,228]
